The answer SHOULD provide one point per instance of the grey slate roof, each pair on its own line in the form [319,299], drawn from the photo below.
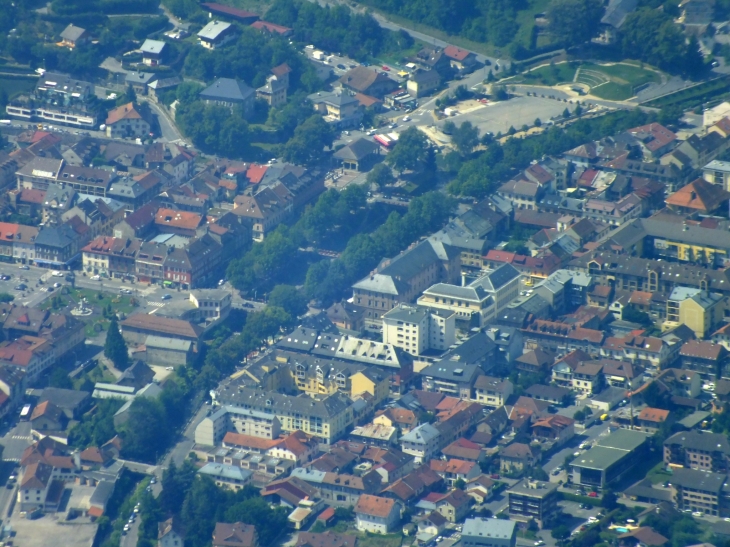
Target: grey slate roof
[452,371]
[488,527]
[154,47]
[212,30]
[56,236]
[357,150]
[255,399]
[704,481]
[72,33]
[228,90]
[498,278]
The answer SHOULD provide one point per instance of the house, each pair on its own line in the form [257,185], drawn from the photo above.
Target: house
[480,488]
[700,197]
[552,394]
[423,82]
[216,34]
[170,533]
[464,449]
[651,419]
[365,80]
[48,417]
[492,392]
[237,534]
[644,536]
[140,81]
[359,155]
[489,532]
[454,470]
[518,457]
[535,361]
[232,477]
[421,442]
[556,428]
[230,93]
[73,36]
[704,357]
[271,28]
[454,506]
[460,59]
[126,121]
[273,91]
[432,524]
[326,539]
[152,52]
[533,500]
[242,16]
[34,487]
[339,108]
[376,515]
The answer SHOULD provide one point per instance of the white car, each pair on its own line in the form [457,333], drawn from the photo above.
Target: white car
[539,542]
[592,519]
[95,278]
[126,527]
[57,274]
[406,118]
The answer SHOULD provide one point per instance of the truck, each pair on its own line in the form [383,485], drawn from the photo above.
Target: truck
[450,111]
[383,140]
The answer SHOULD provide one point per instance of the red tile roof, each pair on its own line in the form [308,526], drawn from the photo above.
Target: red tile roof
[270,27]
[374,505]
[456,53]
[124,112]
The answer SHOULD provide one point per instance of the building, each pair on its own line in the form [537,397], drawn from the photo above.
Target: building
[376,515]
[232,477]
[73,36]
[418,329]
[450,378]
[367,81]
[460,59]
[531,500]
[492,392]
[423,82]
[273,91]
[340,109]
[327,418]
[252,423]
[454,506]
[699,491]
[609,458]
[702,311]
[489,532]
[59,99]
[170,533]
[230,93]
[34,487]
[402,279]
[126,121]
[237,534]
[152,52]
[518,457]
[137,328]
[707,358]
[699,450]
[359,155]
[422,442]
[216,34]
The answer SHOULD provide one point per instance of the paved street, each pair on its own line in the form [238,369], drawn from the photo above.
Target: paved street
[15,441]
[558,458]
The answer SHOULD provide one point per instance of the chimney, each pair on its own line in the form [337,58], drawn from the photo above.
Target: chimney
[463,279]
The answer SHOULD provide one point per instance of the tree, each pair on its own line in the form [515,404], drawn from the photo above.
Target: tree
[5,297]
[115,348]
[537,122]
[288,298]
[409,151]
[560,532]
[574,22]
[59,378]
[579,416]
[309,140]
[460,484]
[609,501]
[651,36]
[381,175]
[448,128]
[146,433]
[465,138]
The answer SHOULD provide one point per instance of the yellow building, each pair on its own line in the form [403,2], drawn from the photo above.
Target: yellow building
[701,311]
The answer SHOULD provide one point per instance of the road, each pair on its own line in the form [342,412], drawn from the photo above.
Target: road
[15,441]
[168,129]
[558,458]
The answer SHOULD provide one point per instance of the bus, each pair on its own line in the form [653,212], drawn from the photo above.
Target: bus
[25,412]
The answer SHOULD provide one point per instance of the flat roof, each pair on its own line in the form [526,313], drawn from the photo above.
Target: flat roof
[600,457]
[624,439]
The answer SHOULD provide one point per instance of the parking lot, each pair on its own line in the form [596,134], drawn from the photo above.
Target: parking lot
[500,116]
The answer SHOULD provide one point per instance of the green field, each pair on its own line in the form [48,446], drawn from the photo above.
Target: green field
[612,82]
[15,86]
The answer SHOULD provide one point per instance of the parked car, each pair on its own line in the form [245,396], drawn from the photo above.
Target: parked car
[386,68]
[95,278]
[21,287]
[592,494]
[166,296]
[24,267]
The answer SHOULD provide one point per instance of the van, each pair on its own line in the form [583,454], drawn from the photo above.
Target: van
[604,417]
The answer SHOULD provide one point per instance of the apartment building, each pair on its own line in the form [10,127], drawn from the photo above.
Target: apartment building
[699,491]
[417,329]
[327,418]
[698,450]
[533,500]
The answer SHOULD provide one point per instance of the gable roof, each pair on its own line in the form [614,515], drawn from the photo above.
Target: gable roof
[699,195]
[228,90]
[374,506]
[237,534]
[124,112]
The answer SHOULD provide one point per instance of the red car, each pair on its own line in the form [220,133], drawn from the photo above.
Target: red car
[386,68]
[495,476]
[592,494]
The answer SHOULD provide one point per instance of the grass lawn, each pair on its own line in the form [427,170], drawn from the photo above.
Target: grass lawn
[560,73]
[15,86]
[611,91]
[526,20]
[120,304]
[373,540]
[96,374]
[657,474]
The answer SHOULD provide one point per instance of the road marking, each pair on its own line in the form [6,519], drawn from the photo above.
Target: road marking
[154,303]
[22,437]
[11,459]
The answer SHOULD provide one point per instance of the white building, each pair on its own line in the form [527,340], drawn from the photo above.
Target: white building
[484,532]
[213,428]
[376,515]
[417,329]
[422,442]
[215,34]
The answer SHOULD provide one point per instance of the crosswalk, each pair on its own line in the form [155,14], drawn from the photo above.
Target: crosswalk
[22,437]
[11,459]
[154,303]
